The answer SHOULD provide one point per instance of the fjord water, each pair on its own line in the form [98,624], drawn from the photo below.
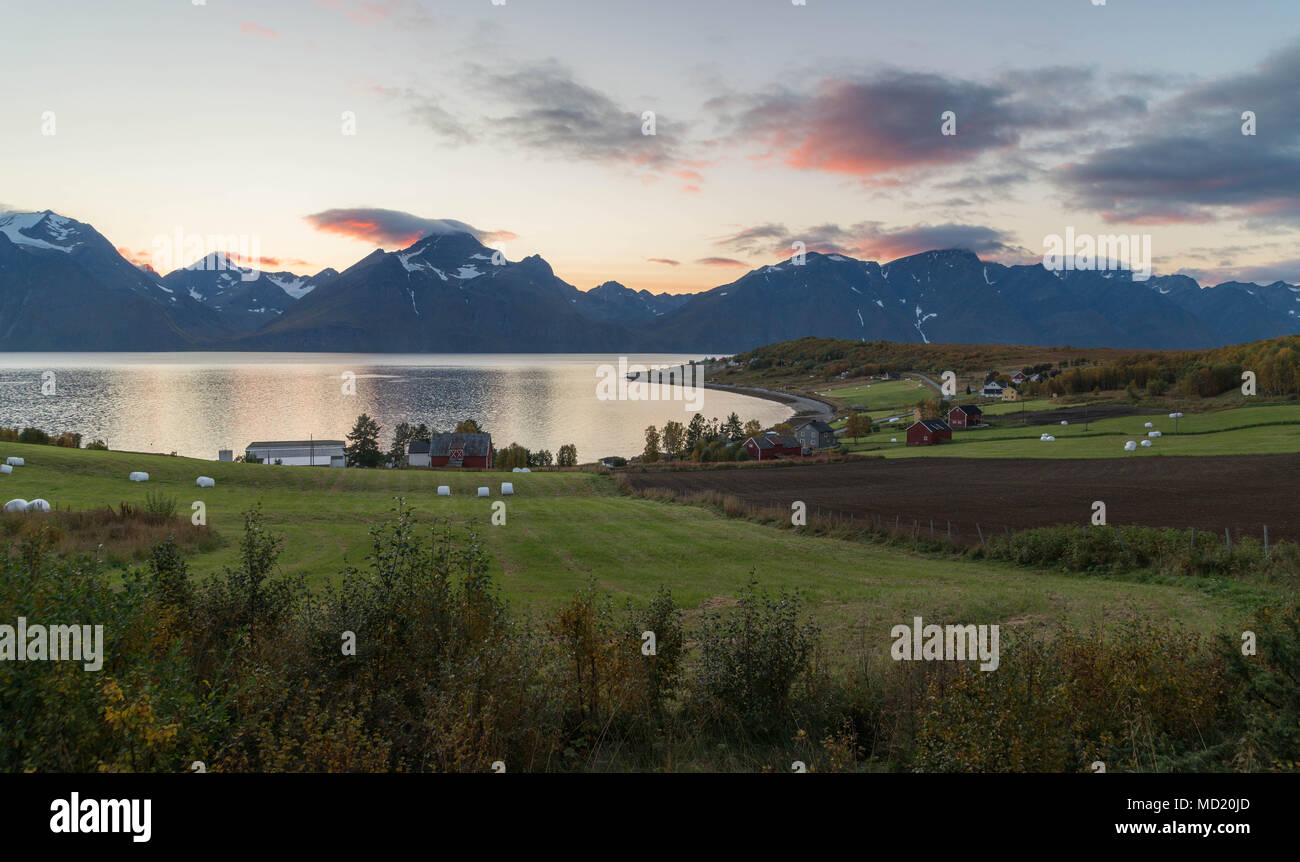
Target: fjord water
[195,404]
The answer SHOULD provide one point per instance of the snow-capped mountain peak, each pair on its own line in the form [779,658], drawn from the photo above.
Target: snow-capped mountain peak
[44,230]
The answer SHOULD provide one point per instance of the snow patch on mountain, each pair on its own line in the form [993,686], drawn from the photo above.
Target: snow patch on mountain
[296,287]
[55,226]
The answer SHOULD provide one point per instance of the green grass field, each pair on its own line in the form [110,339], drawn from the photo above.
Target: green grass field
[883,395]
[1245,430]
[565,528]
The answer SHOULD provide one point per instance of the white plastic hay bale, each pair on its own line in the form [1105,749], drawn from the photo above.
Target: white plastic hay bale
[444,490]
[516,470]
[525,470]
[893,439]
[5,468]
[205,482]
[38,505]
[1131,446]
[1064,422]
[1154,434]
[1146,443]
[507,488]
[893,418]
[1175,415]
[1149,425]
[18,505]
[137,476]
[1049,439]
[484,491]
[14,461]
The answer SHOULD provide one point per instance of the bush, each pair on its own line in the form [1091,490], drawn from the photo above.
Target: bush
[751,660]
[34,435]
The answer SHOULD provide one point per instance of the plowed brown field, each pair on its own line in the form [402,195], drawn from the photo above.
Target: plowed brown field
[1242,493]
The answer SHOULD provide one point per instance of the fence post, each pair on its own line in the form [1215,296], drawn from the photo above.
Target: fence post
[931,529]
[1227,537]
[950,531]
[1266,540]
[981,532]
[1120,535]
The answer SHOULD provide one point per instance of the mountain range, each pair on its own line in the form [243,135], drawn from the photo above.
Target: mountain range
[63,286]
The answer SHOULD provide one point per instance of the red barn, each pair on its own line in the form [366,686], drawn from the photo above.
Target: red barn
[928,432]
[461,450]
[965,416]
[771,446]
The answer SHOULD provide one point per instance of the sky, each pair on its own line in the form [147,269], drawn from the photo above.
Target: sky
[323,129]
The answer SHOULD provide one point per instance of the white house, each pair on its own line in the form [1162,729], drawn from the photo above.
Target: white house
[417,453]
[993,389]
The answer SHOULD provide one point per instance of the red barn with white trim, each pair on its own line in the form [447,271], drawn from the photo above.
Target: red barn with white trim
[965,416]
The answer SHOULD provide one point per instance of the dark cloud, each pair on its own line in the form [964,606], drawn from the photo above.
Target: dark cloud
[872,240]
[890,121]
[542,107]
[1191,163]
[392,227]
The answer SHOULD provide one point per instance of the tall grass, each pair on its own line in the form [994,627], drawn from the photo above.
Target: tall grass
[415,663]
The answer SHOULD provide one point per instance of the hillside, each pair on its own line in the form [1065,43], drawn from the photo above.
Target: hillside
[63,286]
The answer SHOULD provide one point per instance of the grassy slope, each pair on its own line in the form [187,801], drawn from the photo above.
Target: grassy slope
[1245,430]
[564,528]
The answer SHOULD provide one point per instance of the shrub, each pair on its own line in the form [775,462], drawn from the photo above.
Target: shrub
[751,659]
[34,435]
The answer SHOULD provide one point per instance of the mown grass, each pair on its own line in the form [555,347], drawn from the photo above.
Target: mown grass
[1242,431]
[565,528]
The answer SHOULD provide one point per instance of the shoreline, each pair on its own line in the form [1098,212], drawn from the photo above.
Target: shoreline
[804,407]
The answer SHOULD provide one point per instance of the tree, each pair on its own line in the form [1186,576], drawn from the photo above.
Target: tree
[567,456]
[651,452]
[402,435]
[362,449]
[542,458]
[752,428]
[467,426]
[858,425]
[674,438]
[785,429]
[512,456]
[694,431]
[732,427]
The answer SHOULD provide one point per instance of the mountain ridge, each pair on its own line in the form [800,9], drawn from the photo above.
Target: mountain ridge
[63,286]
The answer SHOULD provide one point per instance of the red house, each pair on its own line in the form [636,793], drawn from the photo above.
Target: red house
[965,416]
[928,432]
[461,450]
[771,446]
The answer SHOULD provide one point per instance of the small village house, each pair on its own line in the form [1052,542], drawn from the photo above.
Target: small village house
[417,453]
[770,446]
[965,416]
[928,432]
[992,389]
[1010,394]
[816,434]
[1018,378]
